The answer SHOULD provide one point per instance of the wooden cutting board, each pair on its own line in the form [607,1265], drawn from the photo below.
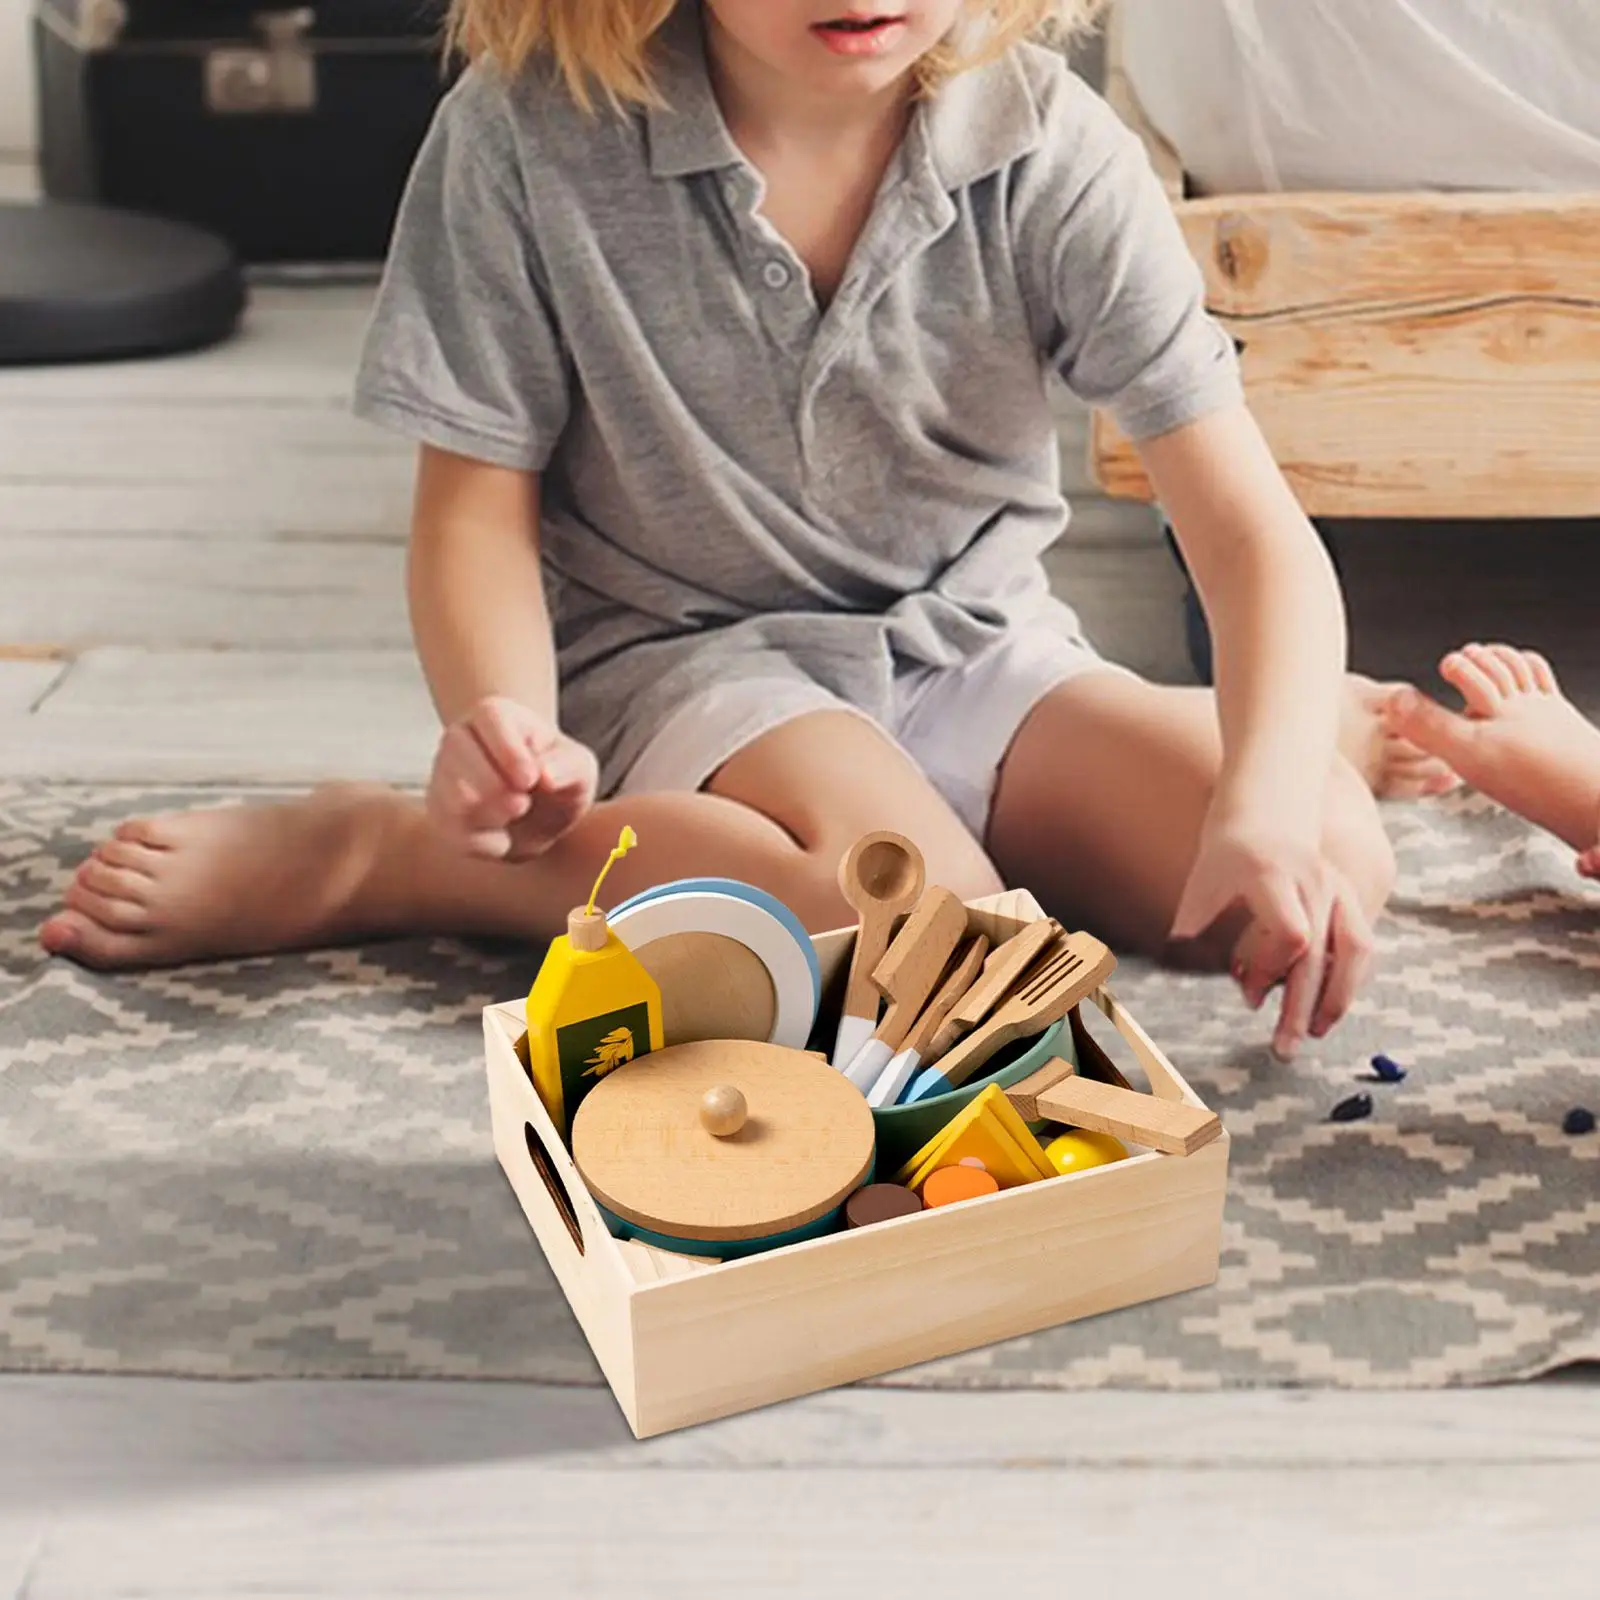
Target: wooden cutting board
[806,1145]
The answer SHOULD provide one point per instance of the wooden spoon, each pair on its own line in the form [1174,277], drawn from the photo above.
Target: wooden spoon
[881,878]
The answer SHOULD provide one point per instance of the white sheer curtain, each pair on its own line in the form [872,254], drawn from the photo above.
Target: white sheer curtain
[1372,94]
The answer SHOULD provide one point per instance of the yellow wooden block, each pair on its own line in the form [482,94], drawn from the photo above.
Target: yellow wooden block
[982,1139]
[1012,1120]
[990,1131]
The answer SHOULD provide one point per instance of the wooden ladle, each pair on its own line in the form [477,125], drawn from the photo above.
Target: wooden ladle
[881,877]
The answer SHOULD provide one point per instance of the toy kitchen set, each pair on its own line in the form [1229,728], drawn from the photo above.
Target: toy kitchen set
[762,1164]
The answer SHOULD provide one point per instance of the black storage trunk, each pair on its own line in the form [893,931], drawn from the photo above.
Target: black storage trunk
[287,130]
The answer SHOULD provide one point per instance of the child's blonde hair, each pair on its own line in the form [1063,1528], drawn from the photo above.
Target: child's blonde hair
[604,43]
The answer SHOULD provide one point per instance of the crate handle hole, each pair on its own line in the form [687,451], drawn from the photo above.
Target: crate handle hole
[551,1179]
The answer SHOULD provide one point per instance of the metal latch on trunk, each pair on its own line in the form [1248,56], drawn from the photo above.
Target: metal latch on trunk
[278,75]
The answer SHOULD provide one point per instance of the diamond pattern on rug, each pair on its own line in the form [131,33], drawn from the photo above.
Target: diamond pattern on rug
[283,1167]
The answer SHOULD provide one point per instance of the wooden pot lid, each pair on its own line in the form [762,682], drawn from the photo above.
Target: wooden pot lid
[646,1154]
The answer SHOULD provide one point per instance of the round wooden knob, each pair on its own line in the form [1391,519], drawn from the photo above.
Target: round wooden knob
[723,1110]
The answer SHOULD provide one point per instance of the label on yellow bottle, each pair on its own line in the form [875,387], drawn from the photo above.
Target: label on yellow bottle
[590,1049]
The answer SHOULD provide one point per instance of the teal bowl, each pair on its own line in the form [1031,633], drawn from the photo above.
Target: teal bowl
[728,1249]
[903,1130]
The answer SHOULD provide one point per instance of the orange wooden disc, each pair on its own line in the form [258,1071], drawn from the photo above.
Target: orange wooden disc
[950,1184]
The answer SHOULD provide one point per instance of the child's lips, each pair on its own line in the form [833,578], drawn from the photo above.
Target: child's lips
[860,33]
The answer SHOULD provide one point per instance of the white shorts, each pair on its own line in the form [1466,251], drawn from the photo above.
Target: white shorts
[955,723]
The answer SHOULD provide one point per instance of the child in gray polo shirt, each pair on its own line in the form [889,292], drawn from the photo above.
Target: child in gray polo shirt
[726,331]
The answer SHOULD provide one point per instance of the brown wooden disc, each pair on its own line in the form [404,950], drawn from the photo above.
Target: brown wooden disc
[880,1202]
[644,1153]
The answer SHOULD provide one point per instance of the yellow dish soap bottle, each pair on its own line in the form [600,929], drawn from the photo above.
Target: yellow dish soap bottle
[592,1007]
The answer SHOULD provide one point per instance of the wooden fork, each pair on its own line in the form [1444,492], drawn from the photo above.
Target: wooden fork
[1074,965]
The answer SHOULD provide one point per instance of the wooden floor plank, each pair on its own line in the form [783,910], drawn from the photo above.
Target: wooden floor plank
[114,1437]
[126,1487]
[23,682]
[1129,596]
[200,469]
[131,716]
[19,180]
[294,344]
[1097,522]
[21,1546]
[1433,1533]
[370,503]
[248,594]
[196,443]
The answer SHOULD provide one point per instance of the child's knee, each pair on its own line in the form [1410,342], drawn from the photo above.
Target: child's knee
[813,892]
[967,874]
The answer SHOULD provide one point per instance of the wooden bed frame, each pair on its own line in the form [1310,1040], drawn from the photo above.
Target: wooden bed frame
[1407,355]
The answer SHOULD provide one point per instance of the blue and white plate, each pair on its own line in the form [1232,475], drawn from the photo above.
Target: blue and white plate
[750,917]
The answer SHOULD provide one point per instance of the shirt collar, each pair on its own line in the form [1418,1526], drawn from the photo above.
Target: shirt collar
[977,123]
[980,121]
[687,133]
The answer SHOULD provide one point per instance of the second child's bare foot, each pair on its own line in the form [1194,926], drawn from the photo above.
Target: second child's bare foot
[228,881]
[1521,742]
[1395,767]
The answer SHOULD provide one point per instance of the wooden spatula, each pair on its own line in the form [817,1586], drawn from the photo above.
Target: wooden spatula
[1058,1094]
[1006,964]
[1074,965]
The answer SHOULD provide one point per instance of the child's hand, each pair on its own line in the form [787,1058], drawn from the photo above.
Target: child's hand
[507,783]
[1306,928]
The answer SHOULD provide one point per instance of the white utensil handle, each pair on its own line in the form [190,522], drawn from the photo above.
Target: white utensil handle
[894,1078]
[870,1060]
[853,1033]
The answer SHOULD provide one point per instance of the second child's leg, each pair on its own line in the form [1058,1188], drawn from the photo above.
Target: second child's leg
[1522,742]
[356,862]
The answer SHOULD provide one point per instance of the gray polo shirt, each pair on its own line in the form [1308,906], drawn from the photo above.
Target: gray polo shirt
[736,481]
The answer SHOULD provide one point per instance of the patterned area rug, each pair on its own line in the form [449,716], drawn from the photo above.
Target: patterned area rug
[283,1167]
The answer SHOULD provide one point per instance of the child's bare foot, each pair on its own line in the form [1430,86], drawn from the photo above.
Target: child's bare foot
[1522,742]
[234,880]
[1394,766]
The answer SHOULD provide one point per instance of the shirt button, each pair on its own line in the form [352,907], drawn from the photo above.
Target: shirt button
[775,275]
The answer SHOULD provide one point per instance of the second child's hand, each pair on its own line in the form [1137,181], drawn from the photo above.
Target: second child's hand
[1305,926]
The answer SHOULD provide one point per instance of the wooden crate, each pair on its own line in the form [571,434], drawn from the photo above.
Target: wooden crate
[682,1342]
[1406,355]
